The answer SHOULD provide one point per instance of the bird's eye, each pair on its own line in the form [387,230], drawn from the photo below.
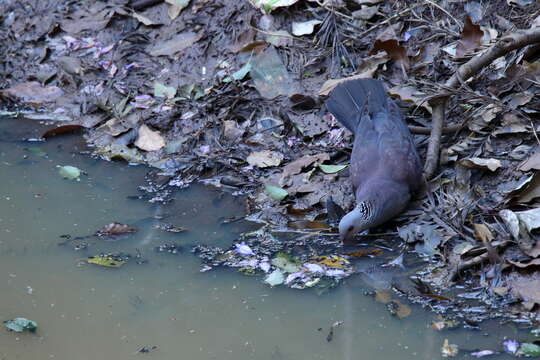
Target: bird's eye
[350,229]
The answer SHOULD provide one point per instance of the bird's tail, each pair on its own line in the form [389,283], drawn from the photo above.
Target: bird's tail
[350,100]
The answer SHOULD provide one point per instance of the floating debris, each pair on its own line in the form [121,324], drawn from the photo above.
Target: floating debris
[21,325]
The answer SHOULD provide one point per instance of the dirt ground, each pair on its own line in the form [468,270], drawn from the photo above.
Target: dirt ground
[230,93]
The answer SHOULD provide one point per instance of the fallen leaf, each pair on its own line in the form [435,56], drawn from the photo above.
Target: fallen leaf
[529,349]
[383,296]
[276,277]
[366,70]
[148,139]
[296,166]
[143,19]
[238,75]
[471,37]
[69,172]
[269,5]
[175,45]
[176,6]
[410,94]
[161,90]
[286,263]
[106,261]
[304,28]
[60,130]
[533,162]
[32,93]
[331,169]
[115,229]
[275,192]
[264,158]
[518,99]
[269,74]
[449,350]
[491,164]
[331,261]
[483,233]
[20,325]
[394,50]
[365,13]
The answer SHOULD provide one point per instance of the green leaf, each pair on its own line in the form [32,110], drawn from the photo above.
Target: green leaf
[286,263]
[331,169]
[161,90]
[275,192]
[530,349]
[20,325]
[105,260]
[275,278]
[238,75]
[69,172]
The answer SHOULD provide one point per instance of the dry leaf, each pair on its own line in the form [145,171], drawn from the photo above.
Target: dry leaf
[471,37]
[148,139]
[265,158]
[482,232]
[32,93]
[394,50]
[366,70]
[491,164]
[296,166]
[531,163]
[410,94]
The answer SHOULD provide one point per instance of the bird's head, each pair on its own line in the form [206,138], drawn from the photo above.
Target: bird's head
[357,220]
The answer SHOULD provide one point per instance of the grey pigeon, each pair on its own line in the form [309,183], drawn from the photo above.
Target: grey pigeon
[385,168]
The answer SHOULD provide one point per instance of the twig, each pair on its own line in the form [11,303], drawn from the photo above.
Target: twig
[502,47]
[426,130]
[446,12]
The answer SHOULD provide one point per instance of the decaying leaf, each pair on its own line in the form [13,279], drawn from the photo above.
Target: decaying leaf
[106,261]
[410,94]
[269,5]
[114,229]
[483,233]
[491,164]
[383,296]
[394,50]
[32,93]
[471,37]
[21,325]
[366,70]
[175,45]
[331,261]
[270,75]
[148,139]
[296,166]
[304,28]
[176,6]
[276,277]
[449,350]
[69,172]
[531,163]
[161,90]
[264,158]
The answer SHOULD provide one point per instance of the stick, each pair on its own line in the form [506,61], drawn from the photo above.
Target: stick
[502,47]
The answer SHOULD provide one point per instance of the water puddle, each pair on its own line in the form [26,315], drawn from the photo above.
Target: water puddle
[89,312]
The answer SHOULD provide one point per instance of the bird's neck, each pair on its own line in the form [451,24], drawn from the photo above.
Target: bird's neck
[377,203]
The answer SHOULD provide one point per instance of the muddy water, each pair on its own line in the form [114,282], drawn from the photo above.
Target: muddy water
[87,312]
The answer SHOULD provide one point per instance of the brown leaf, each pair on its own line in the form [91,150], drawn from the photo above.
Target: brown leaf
[410,94]
[366,70]
[482,232]
[296,166]
[114,229]
[65,129]
[175,45]
[307,224]
[361,253]
[471,37]
[491,164]
[148,139]
[32,93]
[394,50]
[383,296]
